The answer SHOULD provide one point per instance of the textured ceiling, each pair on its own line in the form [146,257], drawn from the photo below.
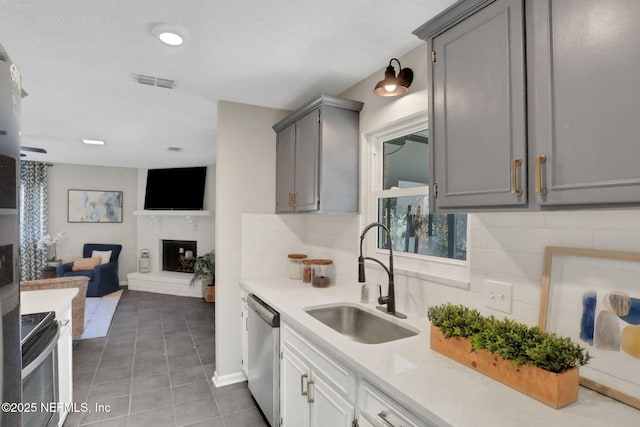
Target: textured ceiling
[77,58]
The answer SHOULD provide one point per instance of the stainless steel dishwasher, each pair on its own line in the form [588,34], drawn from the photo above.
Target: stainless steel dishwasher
[263,354]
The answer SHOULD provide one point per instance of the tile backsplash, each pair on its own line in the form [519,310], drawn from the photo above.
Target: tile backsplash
[504,247]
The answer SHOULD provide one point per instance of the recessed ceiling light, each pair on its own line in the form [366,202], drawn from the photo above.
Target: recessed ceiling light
[93,142]
[168,34]
[172,39]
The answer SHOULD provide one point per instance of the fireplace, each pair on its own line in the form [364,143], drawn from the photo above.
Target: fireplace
[179,255]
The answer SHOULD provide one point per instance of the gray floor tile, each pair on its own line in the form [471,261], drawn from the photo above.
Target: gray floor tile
[231,401]
[151,400]
[193,391]
[112,422]
[135,357]
[177,363]
[210,422]
[248,418]
[190,412]
[149,383]
[157,418]
[117,406]
[107,375]
[113,389]
[187,375]
[151,345]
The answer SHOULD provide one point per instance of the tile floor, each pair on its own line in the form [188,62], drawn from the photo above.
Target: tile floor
[154,368]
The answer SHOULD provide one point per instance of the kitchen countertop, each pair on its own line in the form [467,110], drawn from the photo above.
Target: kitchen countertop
[45,300]
[431,385]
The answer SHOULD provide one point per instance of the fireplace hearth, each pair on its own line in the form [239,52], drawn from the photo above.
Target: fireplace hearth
[179,255]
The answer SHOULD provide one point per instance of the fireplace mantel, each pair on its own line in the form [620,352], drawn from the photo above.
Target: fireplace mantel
[154,216]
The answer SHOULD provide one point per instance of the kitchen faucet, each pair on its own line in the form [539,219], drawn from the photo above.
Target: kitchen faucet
[390,299]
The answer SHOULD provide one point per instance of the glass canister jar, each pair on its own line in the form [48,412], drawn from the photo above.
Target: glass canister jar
[295,265]
[322,273]
[307,270]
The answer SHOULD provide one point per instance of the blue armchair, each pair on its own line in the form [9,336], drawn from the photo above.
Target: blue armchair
[103,279]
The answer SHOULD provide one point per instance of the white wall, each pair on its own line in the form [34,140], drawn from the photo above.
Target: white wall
[245,177]
[152,230]
[64,177]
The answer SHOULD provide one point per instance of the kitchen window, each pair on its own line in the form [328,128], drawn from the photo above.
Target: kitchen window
[399,199]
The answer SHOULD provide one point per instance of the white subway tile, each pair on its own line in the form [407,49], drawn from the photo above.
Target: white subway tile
[609,219]
[478,235]
[515,219]
[617,240]
[534,240]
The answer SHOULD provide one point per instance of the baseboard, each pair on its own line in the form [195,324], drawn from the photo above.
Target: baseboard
[221,381]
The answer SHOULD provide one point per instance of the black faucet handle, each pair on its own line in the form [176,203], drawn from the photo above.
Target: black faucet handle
[381,299]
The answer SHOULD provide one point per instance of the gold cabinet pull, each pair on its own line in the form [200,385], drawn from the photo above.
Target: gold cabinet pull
[290,199]
[539,161]
[295,196]
[383,417]
[302,390]
[515,163]
[309,398]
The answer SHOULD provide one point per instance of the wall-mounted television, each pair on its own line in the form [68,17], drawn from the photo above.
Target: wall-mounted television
[175,189]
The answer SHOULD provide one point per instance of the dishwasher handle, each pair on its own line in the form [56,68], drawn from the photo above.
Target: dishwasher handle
[265,312]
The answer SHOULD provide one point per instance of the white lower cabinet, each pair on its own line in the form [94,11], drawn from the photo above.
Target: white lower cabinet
[315,390]
[65,361]
[378,409]
[244,315]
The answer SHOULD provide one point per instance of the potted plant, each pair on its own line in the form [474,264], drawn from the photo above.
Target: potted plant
[48,244]
[540,364]
[204,270]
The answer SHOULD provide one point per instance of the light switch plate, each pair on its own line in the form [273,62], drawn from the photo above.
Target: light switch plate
[498,295]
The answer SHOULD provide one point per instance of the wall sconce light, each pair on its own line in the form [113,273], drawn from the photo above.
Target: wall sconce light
[392,85]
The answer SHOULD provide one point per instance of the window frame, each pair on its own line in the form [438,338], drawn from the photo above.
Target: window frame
[452,272]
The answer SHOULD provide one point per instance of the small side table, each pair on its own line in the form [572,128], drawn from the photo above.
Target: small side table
[48,273]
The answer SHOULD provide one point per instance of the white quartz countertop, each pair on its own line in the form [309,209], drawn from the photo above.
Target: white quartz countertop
[45,300]
[438,389]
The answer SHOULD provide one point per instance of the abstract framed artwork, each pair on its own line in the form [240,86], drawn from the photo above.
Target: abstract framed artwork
[94,206]
[593,297]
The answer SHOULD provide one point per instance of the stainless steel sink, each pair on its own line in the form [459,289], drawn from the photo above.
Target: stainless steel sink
[360,325]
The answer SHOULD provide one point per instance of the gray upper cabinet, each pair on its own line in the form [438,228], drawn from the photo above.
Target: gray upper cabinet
[584,101]
[317,157]
[575,143]
[479,115]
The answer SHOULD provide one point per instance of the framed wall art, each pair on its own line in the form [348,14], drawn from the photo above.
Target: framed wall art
[593,297]
[94,206]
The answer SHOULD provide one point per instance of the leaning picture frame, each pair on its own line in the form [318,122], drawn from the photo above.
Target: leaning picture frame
[94,206]
[593,297]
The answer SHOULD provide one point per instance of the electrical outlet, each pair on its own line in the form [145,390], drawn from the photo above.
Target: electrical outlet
[498,295]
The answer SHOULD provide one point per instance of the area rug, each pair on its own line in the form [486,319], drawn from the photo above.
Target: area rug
[98,312]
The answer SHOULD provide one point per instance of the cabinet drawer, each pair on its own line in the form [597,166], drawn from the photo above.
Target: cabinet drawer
[339,377]
[383,411]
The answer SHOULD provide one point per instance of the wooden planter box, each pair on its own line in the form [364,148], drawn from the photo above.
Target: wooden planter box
[555,390]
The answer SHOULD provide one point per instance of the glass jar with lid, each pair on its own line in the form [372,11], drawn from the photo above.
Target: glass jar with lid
[318,272]
[294,265]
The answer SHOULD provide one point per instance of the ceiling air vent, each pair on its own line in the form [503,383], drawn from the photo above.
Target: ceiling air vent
[154,81]
[176,149]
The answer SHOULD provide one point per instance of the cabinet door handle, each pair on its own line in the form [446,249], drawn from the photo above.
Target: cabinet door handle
[309,398]
[302,391]
[539,161]
[515,164]
[383,417]
[290,199]
[295,202]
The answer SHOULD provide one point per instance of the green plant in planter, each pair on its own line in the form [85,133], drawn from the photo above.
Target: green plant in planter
[204,268]
[513,341]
